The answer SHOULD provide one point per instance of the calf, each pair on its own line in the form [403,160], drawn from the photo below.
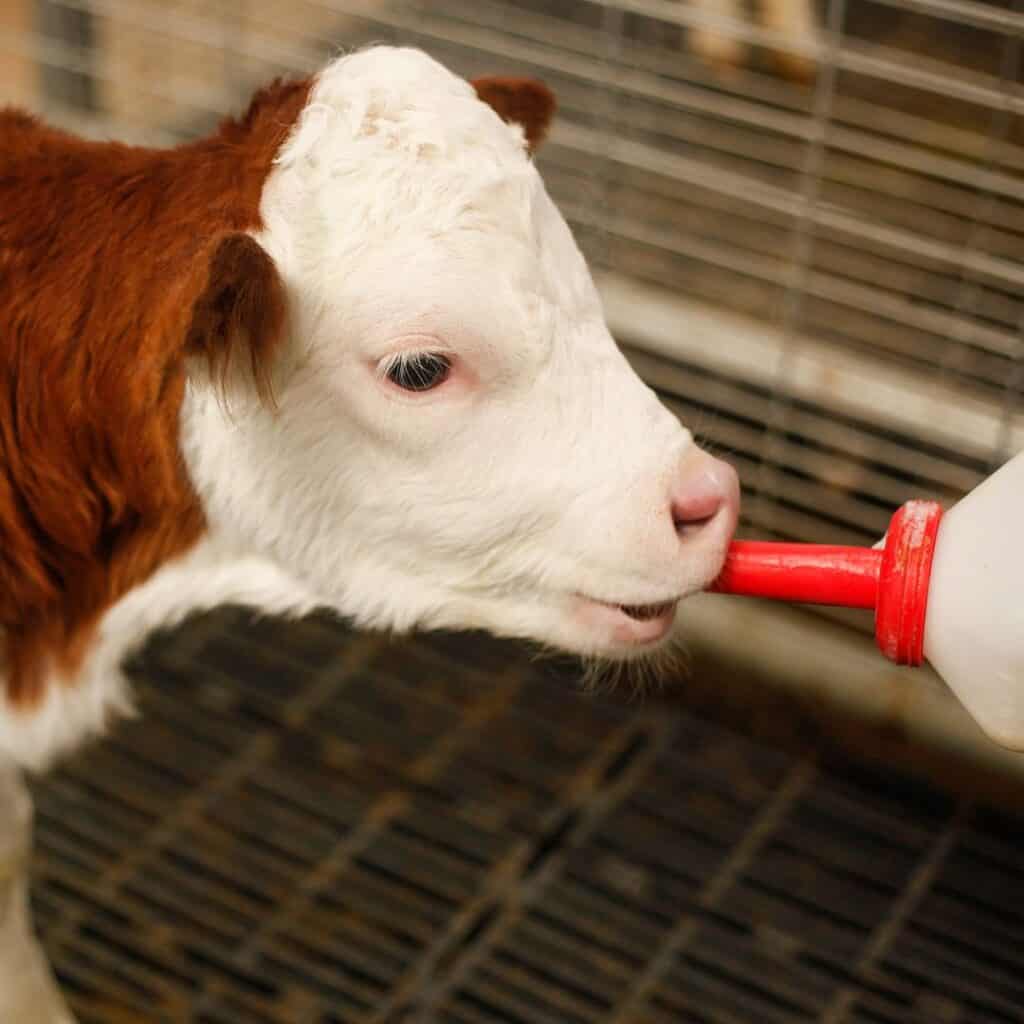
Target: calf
[343,352]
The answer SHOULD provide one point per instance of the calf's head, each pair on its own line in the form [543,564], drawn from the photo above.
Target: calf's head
[455,439]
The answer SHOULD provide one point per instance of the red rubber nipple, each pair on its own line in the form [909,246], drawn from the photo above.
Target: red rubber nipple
[894,581]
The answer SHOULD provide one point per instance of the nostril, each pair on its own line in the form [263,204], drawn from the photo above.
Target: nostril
[688,527]
[702,496]
[695,509]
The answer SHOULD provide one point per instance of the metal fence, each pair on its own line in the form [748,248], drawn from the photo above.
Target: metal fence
[312,827]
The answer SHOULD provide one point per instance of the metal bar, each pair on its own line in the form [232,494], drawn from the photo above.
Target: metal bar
[986,206]
[875,392]
[855,456]
[73,27]
[265,48]
[913,893]
[743,189]
[595,69]
[1007,444]
[862,58]
[831,289]
[384,810]
[767,98]
[797,781]
[541,52]
[50,54]
[895,309]
[799,264]
[258,750]
[593,800]
[964,12]
[869,164]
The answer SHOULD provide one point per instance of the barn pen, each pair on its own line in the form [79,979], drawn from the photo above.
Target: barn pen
[805,224]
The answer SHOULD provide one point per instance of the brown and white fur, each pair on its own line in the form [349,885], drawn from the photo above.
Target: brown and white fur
[343,352]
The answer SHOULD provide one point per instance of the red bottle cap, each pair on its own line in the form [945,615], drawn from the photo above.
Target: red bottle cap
[903,581]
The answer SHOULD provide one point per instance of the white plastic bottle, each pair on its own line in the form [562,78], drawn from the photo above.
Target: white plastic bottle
[974,628]
[945,587]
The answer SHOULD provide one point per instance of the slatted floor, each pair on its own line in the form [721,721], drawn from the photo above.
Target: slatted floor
[308,825]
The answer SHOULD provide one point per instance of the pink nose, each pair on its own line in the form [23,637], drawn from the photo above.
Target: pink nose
[705,500]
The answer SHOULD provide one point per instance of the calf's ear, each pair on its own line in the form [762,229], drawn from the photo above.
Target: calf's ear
[523,101]
[235,314]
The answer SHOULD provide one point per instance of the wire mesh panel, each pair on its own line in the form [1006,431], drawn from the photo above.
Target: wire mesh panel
[308,827]
[824,204]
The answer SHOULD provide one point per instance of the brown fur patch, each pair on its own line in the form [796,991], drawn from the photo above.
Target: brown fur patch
[522,101]
[116,263]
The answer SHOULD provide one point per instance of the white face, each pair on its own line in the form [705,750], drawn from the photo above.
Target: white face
[459,442]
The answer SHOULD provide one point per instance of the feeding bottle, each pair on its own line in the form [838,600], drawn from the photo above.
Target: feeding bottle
[946,587]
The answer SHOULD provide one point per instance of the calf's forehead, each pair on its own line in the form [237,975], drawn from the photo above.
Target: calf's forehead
[391,117]
[507,278]
[406,195]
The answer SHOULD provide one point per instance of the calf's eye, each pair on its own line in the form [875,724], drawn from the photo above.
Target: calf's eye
[418,371]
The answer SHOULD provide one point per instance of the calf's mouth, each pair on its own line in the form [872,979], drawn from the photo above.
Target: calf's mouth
[647,612]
